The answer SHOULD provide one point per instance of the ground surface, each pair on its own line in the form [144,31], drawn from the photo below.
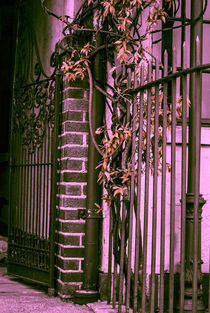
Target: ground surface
[19,297]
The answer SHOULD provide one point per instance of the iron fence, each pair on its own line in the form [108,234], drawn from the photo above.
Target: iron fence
[33,172]
[146,270]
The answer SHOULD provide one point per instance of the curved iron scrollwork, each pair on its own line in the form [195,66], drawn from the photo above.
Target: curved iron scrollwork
[34,89]
[33,111]
[28,66]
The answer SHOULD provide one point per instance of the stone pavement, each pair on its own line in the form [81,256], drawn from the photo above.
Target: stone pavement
[19,297]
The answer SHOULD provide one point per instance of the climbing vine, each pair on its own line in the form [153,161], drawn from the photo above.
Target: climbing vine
[121,31]
[125,27]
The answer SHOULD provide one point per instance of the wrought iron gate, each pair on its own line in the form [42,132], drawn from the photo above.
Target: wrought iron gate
[33,181]
[33,161]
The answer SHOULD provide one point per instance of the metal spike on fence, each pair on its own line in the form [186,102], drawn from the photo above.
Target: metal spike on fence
[132,193]
[197,178]
[173,173]
[183,180]
[163,185]
[138,230]
[146,193]
[197,51]
[155,176]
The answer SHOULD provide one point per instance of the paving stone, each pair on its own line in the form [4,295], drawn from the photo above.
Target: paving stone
[18,296]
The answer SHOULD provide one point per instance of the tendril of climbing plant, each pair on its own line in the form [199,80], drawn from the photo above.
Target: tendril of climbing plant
[125,28]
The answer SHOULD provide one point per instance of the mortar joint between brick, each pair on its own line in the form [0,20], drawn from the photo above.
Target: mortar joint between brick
[72,183]
[69,258]
[73,158]
[68,271]
[69,283]
[65,196]
[81,221]
[69,145]
[70,234]
[63,208]
[69,246]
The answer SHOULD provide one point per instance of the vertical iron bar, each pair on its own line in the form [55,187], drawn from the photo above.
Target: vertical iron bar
[194,201]
[34,192]
[132,194]
[116,219]
[197,175]
[17,212]
[47,176]
[15,216]
[192,224]
[122,249]
[137,237]
[40,189]
[18,200]
[183,35]
[49,179]
[36,196]
[11,196]
[27,192]
[31,209]
[124,198]
[173,180]
[13,186]
[146,195]
[44,182]
[30,193]
[155,174]
[114,285]
[47,190]
[183,178]
[23,189]
[115,244]
[163,186]
[109,277]
[54,153]
[33,206]
[14,220]
[196,30]
[37,191]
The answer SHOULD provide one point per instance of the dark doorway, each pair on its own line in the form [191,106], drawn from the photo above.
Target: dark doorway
[8,20]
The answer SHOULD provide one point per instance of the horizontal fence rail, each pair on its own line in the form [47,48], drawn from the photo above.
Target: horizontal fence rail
[153,265]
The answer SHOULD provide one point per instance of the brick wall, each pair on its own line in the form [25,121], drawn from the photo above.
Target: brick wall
[72,190]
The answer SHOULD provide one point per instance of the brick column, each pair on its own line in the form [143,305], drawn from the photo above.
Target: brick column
[72,190]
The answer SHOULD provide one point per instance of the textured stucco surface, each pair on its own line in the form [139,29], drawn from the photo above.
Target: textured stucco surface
[205,226]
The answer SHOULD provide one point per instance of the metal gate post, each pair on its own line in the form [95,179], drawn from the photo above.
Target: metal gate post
[89,292]
[51,289]
[193,301]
